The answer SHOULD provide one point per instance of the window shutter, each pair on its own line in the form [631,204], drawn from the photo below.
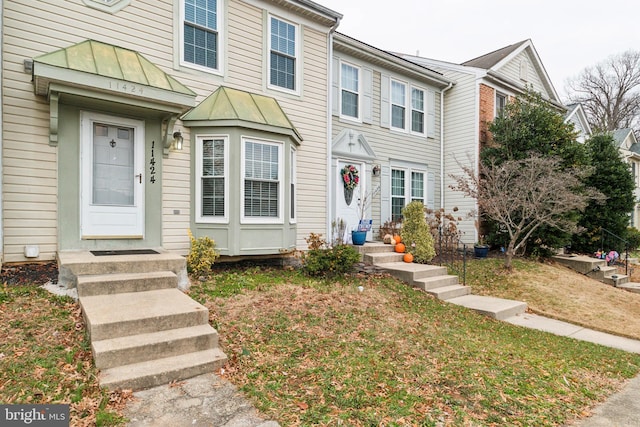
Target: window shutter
[431,189]
[367,95]
[385,192]
[431,114]
[335,88]
[384,101]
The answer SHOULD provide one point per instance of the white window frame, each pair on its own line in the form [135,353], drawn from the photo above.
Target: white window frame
[298,59]
[502,95]
[221,40]
[408,185]
[423,111]
[392,103]
[199,218]
[281,180]
[293,186]
[358,93]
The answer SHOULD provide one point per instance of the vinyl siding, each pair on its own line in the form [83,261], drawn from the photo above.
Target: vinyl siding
[512,70]
[148,27]
[392,147]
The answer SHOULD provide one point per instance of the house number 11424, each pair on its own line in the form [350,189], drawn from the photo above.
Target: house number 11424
[125,87]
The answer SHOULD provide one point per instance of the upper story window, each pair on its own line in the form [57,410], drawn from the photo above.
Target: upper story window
[398,105]
[283,54]
[501,102]
[212,169]
[417,110]
[349,91]
[200,34]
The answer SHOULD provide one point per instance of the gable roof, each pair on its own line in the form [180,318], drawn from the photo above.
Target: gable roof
[575,114]
[233,107]
[624,137]
[492,62]
[491,59]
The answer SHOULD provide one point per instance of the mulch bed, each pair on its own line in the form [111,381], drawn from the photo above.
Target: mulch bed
[36,274]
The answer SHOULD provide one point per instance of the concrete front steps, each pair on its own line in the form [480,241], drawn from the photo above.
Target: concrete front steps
[436,281]
[596,269]
[144,331]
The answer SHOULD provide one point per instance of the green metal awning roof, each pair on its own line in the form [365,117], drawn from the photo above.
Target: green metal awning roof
[232,107]
[111,69]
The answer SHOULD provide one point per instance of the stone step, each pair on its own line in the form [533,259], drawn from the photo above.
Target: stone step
[377,258]
[631,287]
[435,282]
[132,313]
[109,284]
[131,349]
[73,264]
[497,308]
[615,279]
[138,376]
[411,272]
[448,292]
[373,247]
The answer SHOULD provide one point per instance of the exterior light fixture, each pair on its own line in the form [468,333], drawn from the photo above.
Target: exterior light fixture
[177,140]
[376,170]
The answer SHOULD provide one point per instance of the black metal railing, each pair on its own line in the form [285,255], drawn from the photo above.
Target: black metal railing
[611,242]
[452,253]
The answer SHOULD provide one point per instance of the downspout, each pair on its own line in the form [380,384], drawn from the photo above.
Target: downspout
[1,132]
[442,143]
[328,192]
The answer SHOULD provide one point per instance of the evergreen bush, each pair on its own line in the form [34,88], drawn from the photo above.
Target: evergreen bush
[416,233]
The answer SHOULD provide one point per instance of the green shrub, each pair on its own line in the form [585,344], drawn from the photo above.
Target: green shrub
[201,256]
[324,260]
[633,237]
[416,233]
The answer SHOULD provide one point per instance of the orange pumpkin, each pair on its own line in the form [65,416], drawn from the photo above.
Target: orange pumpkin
[400,247]
[408,257]
[397,238]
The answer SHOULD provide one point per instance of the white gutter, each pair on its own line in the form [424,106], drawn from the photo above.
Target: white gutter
[442,143]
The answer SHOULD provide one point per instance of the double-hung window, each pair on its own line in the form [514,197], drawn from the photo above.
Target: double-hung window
[200,34]
[212,169]
[398,193]
[262,181]
[417,110]
[398,105]
[501,102]
[407,185]
[283,52]
[349,91]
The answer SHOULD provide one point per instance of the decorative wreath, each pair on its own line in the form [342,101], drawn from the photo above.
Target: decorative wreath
[350,177]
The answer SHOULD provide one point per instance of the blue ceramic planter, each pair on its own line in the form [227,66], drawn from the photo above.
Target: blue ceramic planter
[358,237]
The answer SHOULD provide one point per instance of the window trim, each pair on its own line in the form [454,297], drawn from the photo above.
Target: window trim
[199,218]
[221,40]
[293,186]
[391,104]
[495,102]
[358,117]
[281,179]
[423,111]
[298,59]
[408,185]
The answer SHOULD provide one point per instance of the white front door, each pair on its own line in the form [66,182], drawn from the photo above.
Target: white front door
[112,179]
[346,209]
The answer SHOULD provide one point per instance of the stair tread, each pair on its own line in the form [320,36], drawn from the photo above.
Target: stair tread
[137,305]
[113,277]
[408,266]
[161,367]
[150,338]
[436,278]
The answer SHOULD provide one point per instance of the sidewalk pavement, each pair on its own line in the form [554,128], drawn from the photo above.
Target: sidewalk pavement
[621,409]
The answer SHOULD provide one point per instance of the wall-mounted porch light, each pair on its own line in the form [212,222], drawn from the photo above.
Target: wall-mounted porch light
[177,140]
[376,170]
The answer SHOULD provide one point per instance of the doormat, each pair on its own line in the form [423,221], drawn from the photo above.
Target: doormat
[125,252]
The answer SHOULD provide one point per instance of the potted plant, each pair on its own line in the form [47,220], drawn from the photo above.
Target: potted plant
[480,249]
[359,235]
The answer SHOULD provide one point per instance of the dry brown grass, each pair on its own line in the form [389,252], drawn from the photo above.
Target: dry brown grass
[556,291]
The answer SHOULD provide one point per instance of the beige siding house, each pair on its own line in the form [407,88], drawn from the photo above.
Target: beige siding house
[482,87]
[127,123]
[386,116]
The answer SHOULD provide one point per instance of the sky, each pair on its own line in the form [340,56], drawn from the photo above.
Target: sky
[569,35]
